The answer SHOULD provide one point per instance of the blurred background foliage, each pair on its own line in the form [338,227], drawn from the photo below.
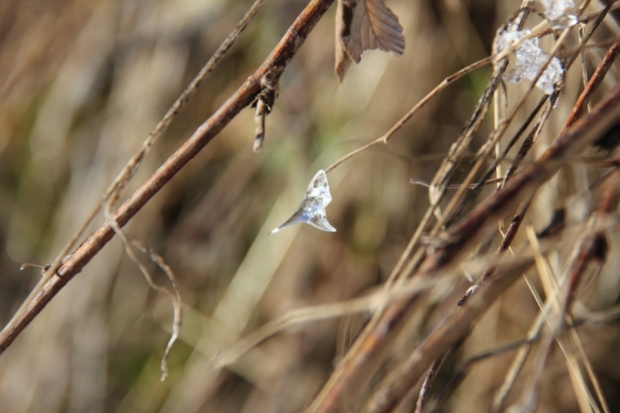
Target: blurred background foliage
[82,85]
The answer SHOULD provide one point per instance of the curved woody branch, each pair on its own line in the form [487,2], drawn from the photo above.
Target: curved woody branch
[243,97]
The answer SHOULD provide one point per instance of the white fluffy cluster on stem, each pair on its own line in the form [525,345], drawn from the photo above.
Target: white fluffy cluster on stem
[558,12]
[530,58]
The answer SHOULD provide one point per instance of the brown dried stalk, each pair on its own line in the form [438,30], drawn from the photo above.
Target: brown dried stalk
[461,373]
[385,138]
[524,206]
[362,355]
[243,97]
[428,382]
[590,245]
[114,191]
[459,198]
[584,98]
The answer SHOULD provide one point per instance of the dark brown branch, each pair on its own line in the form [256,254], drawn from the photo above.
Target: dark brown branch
[428,382]
[576,112]
[458,239]
[594,83]
[592,252]
[243,97]
[514,226]
[448,332]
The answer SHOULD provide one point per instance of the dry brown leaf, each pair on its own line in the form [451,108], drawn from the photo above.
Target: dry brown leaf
[343,24]
[364,25]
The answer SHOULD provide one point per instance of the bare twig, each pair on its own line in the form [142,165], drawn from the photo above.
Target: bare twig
[365,350]
[428,382]
[448,332]
[371,303]
[445,172]
[134,163]
[385,138]
[585,96]
[522,185]
[591,250]
[279,57]
[175,296]
[110,197]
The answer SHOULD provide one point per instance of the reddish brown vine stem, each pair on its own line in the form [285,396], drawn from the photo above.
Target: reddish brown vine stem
[243,97]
